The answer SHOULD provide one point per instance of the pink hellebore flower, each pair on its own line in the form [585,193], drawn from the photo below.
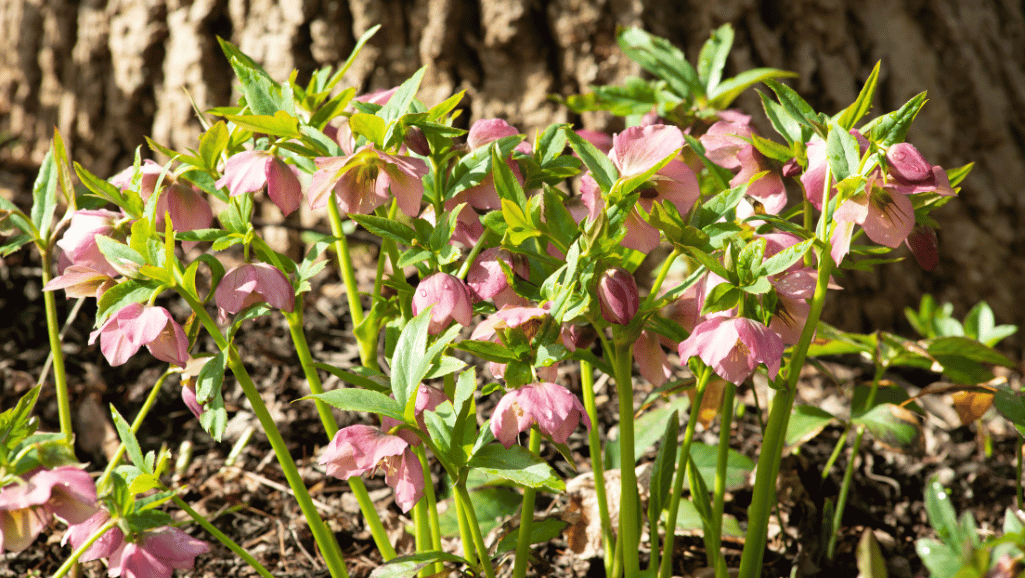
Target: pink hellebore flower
[250,171]
[427,399]
[26,506]
[135,325]
[527,320]
[886,215]
[80,281]
[911,173]
[451,300]
[483,195]
[79,240]
[923,244]
[358,449]
[733,347]
[651,359]
[554,409]
[725,145]
[366,179]
[618,296]
[252,283]
[104,546]
[188,208]
[486,278]
[634,151]
[156,554]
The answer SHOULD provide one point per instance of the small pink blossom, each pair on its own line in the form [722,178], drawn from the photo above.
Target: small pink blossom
[367,179]
[886,215]
[358,449]
[252,283]
[483,195]
[486,278]
[189,209]
[79,241]
[733,347]
[553,408]
[924,246]
[80,281]
[156,554]
[814,177]
[251,171]
[135,325]
[727,144]
[451,300]
[27,505]
[651,359]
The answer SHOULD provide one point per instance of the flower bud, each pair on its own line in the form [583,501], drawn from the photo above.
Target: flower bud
[450,297]
[907,163]
[416,141]
[578,336]
[618,296]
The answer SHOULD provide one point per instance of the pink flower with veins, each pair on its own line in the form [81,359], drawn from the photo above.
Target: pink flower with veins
[527,320]
[156,554]
[634,151]
[486,278]
[553,408]
[924,247]
[27,505]
[734,347]
[79,240]
[725,145]
[451,300]
[80,281]
[104,546]
[250,171]
[135,325]
[886,215]
[358,449]
[367,179]
[252,283]
[189,209]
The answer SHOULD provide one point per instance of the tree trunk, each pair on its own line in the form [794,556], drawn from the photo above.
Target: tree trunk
[108,72]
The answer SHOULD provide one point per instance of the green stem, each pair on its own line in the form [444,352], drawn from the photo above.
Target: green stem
[629,509]
[136,424]
[70,562]
[718,503]
[836,452]
[1019,490]
[478,540]
[60,376]
[223,538]
[464,530]
[597,463]
[666,568]
[845,488]
[764,493]
[526,515]
[431,502]
[662,273]
[348,275]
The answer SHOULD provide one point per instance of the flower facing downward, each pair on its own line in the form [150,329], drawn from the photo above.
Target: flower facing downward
[554,409]
[135,325]
[250,171]
[451,300]
[156,554]
[618,296]
[366,179]
[104,546]
[252,283]
[26,506]
[733,347]
[79,240]
[358,449]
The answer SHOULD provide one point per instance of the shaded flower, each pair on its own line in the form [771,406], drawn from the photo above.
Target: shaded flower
[618,296]
[366,179]
[189,209]
[886,215]
[450,297]
[156,554]
[27,505]
[727,144]
[250,171]
[814,177]
[651,359]
[358,449]
[553,408]
[468,227]
[135,325]
[483,195]
[923,244]
[733,347]
[252,283]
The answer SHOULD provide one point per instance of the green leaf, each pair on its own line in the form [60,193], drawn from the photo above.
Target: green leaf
[842,152]
[540,531]
[212,144]
[729,89]
[131,443]
[475,166]
[15,422]
[787,127]
[602,169]
[665,61]
[861,105]
[355,399]
[649,427]
[517,465]
[280,123]
[784,259]
[894,426]
[664,466]
[359,377]
[520,227]
[443,108]
[488,350]
[126,260]
[706,458]
[871,563]
[806,421]
[210,378]
[370,126]
[215,417]
[969,349]
[44,195]
[410,566]
[398,104]
[795,106]
[63,166]
[1011,406]
[505,182]
[942,516]
[125,292]
[772,149]
[409,364]
[386,228]
[491,504]
[892,128]
[712,58]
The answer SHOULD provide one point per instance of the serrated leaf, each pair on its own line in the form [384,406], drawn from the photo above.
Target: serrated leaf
[210,378]
[601,168]
[398,104]
[280,123]
[665,61]
[894,426]
[409,363]
[488,350]
[355,399]
[386,228]
[892,128]
[131,443]
[861,105]
[784,259]
[518,466]
[842,153]
[796,107]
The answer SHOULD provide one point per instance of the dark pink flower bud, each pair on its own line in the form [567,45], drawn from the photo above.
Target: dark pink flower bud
[907,163]
[578,336]
[923,244]
[618,296]
[451,300]
[416,141]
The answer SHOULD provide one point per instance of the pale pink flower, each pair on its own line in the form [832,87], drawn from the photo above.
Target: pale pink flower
[80,281]
[451,300]
[886,215]
[250,171]
[727,144]
[156,554]
[553,408]
[734,347]
[27,505]
[135,325]
[149,172]
[252,283]
[104,546]
[651,359]
[358,449]
[486,278]
[79,240]
[618,296]
[367,179]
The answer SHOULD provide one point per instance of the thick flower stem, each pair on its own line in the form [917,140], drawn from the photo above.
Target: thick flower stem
[431,500]
[526,515]
[366,350]
[302,349]
[464,531]
[718,503]
[597,463]
[478,540]
[60,377]
[222,538]
[764,493]
[666,568]
[629,509]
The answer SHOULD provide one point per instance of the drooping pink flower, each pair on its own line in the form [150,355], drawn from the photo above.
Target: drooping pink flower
[601,140]
[135,325]
[156,554]
[367,179]
[912,174]
[251,171]
[486,278]
[80,281]
[79,240]
[191,401]
[553,408]
[527,320]
[634,152]
[618,296]
[451,300]
[727,144]
[468,227]
[149,173]
[886,215]
[358,449]
[427,399]
[734,347]
[104,546]
[578,335]
[27,505]
[483,195]
[651,359]
[924,246]
[189,209]
[252,283]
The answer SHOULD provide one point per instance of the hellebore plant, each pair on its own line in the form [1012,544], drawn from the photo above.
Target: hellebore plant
[486,230]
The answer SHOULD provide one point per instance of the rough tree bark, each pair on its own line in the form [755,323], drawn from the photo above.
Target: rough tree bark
[107,72]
